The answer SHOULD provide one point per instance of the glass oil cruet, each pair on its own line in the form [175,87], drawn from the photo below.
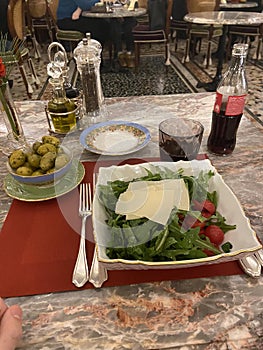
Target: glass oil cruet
[88,58]
[60,59]
[61,110]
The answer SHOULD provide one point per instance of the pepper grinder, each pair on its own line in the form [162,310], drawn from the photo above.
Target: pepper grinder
[88,58]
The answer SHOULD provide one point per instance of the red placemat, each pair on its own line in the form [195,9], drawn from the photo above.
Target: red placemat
[38,248]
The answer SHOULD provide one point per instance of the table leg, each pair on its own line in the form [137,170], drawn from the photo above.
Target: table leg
[211,86]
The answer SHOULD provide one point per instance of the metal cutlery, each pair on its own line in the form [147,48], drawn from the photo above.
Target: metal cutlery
[251,265]
[81,270]
[259,256]
[98,273]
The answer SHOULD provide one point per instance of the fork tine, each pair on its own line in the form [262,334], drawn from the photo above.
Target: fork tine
[85,197]
[90,197]
[80,196]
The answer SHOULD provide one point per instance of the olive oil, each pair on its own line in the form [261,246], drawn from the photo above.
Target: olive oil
[61,109]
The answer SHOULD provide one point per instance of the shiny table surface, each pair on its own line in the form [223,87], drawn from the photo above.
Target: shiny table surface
[116,13]
[206,313]
[225,17]
[240,5]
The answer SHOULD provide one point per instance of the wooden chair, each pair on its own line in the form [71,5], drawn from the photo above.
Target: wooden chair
[19,54]
[148,34]
[145,18]
[245,33]
[200,31]
[70,37]
[39,18]
[177,24]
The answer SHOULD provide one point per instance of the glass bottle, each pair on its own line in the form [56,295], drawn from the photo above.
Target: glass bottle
[61,109]
[58,60]
[229,104]
[88,57]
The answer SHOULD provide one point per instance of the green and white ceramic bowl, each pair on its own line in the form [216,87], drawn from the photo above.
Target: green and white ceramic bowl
[45,178]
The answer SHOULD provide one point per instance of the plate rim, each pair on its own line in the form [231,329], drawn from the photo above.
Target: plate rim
[93,127]
[80,170]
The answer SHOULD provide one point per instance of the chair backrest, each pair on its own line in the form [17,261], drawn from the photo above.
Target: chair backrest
[37,8]
[179,10]
[143,3]
[160,14]
[53,5]
[16,18]
[201,5]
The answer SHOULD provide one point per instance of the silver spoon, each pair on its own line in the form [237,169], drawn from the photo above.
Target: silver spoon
[251,266]
[259,256]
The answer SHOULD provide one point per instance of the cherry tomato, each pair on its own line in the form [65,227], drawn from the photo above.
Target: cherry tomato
[207,208]
[215,234]
[208,252]
[190,221]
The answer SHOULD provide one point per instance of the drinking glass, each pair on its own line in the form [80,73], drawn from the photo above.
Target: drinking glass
[180,139]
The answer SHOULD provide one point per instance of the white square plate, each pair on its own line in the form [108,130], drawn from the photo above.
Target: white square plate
[243,238]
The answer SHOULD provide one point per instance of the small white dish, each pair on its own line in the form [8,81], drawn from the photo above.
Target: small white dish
[115,138]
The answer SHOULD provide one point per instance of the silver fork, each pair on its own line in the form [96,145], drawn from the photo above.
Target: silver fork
[81,270]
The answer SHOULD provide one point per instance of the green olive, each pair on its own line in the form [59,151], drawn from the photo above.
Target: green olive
[34,160]
[17,159]
[50,171]
[36,145]
[38,172]
[48,161]
[45,148]
[61,161]
[51,139]
[24,171]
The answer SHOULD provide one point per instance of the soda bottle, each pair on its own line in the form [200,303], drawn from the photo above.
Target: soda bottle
[229,104]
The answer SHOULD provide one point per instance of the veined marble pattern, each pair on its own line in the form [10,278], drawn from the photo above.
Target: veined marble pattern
[204,314]
[197,314]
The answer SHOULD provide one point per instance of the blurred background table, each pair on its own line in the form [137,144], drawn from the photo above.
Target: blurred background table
[216,312]
[224,18]
[238,6]
[117,12]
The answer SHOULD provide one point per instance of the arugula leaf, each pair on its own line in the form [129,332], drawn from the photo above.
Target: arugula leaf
[145,240]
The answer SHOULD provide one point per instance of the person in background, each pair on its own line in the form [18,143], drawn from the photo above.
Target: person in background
[10,326]
[121,31]
[76,14]
[3,21]
[99,28]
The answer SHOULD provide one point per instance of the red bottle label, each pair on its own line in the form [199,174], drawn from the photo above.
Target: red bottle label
[234,104]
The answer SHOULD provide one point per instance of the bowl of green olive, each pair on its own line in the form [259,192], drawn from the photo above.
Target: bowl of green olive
[45,162]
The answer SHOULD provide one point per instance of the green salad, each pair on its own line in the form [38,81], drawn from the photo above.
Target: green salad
[196,233]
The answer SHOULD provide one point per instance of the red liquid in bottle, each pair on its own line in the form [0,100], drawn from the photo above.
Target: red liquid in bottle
[222,138]
[229,104]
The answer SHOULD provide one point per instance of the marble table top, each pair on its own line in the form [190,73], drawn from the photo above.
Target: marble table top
[206,313]
[116,13]
[239,5]
[225,17]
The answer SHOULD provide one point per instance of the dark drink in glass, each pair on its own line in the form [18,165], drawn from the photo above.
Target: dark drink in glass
[180,139]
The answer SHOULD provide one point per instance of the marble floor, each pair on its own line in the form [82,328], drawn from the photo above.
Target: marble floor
[152,77]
